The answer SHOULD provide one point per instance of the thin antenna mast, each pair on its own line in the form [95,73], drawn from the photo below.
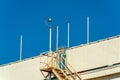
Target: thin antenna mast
[49,20]
[68,34]
[57,39]
[50,36]
[50,45]
[88,35]
[20,47]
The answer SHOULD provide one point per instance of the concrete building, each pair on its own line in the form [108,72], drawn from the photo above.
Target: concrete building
[98,60]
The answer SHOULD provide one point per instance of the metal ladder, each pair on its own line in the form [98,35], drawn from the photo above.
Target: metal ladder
[66,72]
[67,67]
[60,74]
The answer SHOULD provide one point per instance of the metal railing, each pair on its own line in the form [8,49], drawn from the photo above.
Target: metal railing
[51,60]
[70,67]
[47,61]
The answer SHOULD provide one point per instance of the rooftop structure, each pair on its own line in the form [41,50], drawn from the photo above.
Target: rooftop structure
[99,60]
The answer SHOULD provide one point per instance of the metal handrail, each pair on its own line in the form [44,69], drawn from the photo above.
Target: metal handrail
[72,68]
[66,68]
[48,62]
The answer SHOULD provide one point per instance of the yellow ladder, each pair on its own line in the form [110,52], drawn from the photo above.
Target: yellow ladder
[60,74]
[51,67]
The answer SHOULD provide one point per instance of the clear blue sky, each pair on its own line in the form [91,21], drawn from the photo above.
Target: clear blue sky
[27,17]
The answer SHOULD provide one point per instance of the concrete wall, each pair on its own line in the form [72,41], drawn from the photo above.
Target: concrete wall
[101,73]
[95,55]
[81,58]
[109,77]
[25,70]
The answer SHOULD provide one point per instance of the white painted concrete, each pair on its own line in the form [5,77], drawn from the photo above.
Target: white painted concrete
[95,55]
[26,70]
[81,58]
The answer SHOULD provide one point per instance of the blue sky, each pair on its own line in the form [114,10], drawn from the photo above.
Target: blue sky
[27,17]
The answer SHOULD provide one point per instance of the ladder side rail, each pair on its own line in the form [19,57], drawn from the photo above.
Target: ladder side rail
[74,71]
[67,69]
[57,75]
[72,68]
[59,62]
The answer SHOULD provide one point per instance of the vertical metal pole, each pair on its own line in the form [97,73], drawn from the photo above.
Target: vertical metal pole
[68,35]
[50,45]
[57,39]
[57,46]
[20,47]
[88,35]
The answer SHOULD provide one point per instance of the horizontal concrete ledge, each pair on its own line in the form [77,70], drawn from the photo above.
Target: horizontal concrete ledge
[101,71]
